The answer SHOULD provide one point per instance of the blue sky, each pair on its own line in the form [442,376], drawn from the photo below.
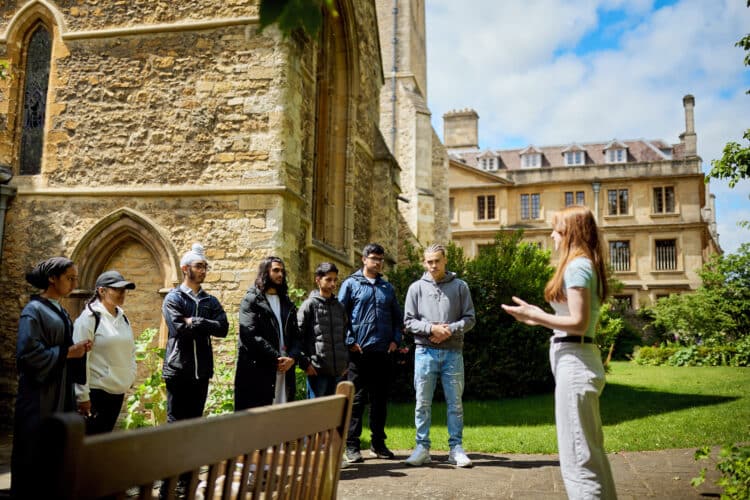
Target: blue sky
[559,71]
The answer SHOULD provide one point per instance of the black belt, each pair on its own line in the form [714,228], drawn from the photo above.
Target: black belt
[578,339]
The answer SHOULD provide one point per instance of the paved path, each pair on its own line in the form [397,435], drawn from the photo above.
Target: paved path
[650,474]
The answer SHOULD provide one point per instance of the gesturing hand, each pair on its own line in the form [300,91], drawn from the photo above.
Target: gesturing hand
[523,312]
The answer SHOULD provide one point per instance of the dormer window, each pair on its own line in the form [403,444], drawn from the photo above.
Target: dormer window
[489,163]
[531,160]
[616,152]
[616,155]
[574,158]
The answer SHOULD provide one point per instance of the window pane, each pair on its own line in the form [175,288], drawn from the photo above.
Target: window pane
[535,206]
[480,207]
[658,204]
[623,201]
[580,199]
[619,255]
[524,206]
[568,198]
[452,208]
[666,254]
[491,207]
[669,199]
[612,201]
[35,101]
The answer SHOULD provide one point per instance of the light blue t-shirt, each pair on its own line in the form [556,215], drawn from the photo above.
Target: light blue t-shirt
[580,274]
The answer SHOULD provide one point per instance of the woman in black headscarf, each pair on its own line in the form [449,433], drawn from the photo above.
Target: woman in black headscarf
[48,364]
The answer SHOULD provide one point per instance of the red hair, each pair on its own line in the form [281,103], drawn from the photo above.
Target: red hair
[580,238]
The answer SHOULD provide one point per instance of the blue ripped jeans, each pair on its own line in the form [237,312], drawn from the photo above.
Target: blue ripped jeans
[429,364]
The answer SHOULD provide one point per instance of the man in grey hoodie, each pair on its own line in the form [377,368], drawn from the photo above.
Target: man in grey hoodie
[438,311]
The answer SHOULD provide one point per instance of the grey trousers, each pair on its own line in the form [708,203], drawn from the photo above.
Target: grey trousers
[579,380]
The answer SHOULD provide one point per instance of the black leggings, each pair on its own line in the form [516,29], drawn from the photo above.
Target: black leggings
[105,408]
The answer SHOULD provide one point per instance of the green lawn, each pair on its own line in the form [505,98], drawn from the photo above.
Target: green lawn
[643,408]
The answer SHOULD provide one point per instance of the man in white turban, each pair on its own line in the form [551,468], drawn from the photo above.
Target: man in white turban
[193,317]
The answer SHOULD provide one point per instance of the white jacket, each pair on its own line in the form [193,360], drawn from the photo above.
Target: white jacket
[111,362]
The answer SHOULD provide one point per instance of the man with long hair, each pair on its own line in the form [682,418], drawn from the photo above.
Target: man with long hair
[269,340]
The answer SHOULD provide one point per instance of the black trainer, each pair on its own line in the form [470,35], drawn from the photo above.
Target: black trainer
[381,452]
[353,456]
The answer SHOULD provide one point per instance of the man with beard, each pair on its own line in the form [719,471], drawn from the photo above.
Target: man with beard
[192,317]
[269,342]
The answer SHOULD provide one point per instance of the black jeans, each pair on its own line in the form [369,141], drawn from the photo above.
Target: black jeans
[105,408]
[371,374]
[186,398]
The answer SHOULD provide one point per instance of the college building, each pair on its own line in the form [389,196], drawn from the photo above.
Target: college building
[649,198]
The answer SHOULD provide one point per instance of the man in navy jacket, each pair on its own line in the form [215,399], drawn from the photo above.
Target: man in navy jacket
[374,333]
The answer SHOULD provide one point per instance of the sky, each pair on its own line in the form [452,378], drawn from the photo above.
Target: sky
[548,72]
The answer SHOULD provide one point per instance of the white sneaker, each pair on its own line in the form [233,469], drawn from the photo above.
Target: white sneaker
[420,456]
[458,458]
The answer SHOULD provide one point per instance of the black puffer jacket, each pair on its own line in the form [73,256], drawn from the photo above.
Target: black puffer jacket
[258,352]
[322,324]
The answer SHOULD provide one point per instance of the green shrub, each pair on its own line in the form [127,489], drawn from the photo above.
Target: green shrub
[734,465]
[502,357]
[731,354]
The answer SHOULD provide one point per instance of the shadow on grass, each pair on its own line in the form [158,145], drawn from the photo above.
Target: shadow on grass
[619,403]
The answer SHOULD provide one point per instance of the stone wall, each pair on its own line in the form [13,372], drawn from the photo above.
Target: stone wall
[175,122]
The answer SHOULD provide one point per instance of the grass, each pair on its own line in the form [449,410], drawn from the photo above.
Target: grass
[643,408]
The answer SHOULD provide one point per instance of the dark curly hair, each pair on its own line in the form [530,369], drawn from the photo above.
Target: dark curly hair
[263,280]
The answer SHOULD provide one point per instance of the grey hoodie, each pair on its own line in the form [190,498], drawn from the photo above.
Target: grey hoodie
[447,301]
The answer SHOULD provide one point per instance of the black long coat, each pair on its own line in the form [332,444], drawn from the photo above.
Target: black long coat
[45,381]
[258,351]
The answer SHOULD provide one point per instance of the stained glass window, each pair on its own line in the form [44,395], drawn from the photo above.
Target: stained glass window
[35,101]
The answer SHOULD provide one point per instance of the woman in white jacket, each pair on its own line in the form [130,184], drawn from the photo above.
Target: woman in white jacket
[110,368]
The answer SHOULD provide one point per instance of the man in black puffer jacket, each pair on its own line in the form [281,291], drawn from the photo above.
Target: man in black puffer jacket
[322,324]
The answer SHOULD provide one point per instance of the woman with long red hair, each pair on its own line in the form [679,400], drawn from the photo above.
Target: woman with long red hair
[575,292]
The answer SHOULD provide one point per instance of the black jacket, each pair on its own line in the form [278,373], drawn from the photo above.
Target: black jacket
[258,352]
[322,323]
[189,352]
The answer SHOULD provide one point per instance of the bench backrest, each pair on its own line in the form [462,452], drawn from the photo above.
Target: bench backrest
[287,451]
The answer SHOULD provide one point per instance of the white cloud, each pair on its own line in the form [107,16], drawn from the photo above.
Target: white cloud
[512,61]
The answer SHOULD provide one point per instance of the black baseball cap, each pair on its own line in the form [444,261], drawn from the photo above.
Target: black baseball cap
[113,279]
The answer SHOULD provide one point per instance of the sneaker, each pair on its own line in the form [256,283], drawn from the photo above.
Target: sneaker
[420,456]
[353,456]
[381,452]
[458,457]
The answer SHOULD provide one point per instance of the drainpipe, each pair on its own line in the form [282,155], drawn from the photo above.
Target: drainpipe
[394,69]
[596,186]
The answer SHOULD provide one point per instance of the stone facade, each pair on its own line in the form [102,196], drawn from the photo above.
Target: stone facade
[655,246]
[405,122]
[174,122]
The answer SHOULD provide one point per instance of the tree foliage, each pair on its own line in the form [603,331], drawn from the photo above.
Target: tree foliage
[502,357]
[734,163]
[719,311]
[293,15]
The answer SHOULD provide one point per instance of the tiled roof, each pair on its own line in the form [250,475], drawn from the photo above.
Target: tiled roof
[638,150]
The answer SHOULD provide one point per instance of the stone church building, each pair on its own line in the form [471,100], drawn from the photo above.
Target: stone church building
[134,128]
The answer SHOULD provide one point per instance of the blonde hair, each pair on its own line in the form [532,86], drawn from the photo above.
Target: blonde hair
[580,238]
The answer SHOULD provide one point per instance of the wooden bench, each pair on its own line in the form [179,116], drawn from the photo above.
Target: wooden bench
[287,451]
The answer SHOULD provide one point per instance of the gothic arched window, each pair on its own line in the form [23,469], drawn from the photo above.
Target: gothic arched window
[329,177]
[38,55]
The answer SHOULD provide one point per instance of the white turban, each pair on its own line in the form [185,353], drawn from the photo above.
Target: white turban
[196,254]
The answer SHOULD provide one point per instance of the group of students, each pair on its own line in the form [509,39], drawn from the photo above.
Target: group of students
[88,366]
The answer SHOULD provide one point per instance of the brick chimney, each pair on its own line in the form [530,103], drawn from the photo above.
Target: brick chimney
[460,129]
